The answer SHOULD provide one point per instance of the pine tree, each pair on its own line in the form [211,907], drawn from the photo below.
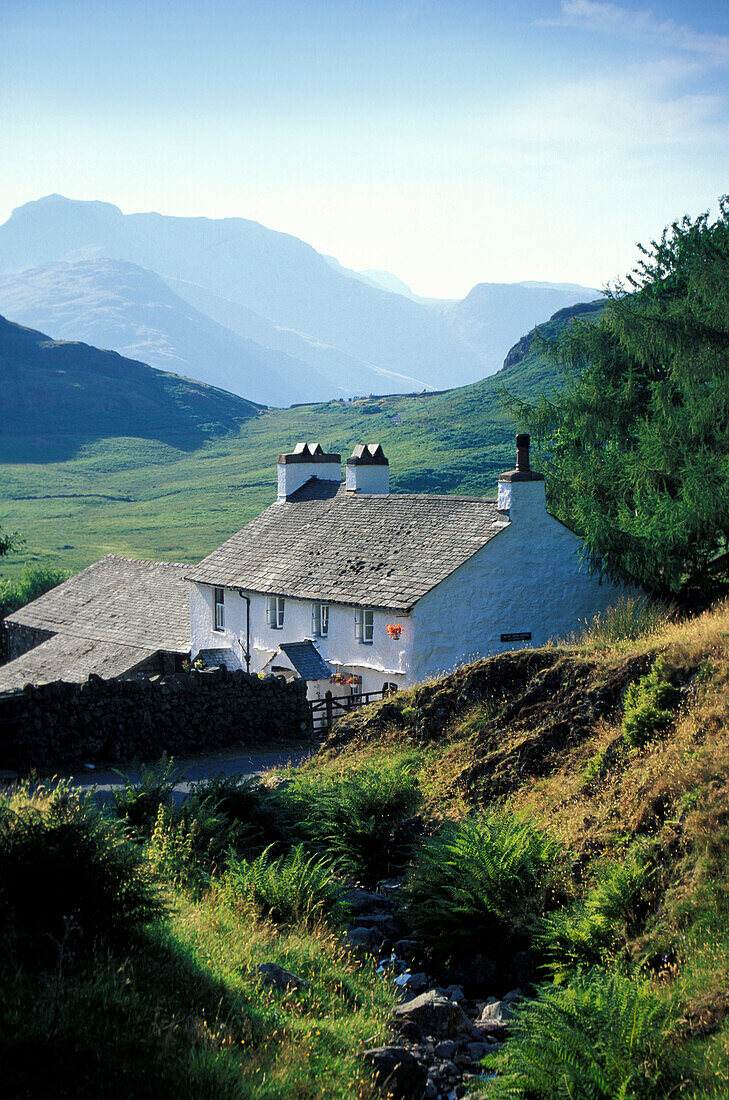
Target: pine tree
[636,446]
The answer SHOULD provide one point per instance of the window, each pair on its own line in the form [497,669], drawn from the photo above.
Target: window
[275,606]
[364,625]
[219,612]
[320,619]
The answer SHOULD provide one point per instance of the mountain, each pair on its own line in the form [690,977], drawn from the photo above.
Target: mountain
[118,305]
[387,281]
[494,315]
[277,291]
[56,395]
[347,376]
[276,275]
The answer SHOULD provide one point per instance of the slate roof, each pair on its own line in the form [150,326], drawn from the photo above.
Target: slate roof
[307,660]
[215,658]
[118,600]
[373,550]
[64,657]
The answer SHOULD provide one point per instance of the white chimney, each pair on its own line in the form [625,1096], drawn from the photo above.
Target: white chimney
[368,471]
[521,491]
[307,460]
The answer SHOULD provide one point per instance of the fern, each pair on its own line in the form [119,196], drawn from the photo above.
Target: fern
[593,932]
[491,874]
[294,889]
[648,705]
[602,1037]
[357,819]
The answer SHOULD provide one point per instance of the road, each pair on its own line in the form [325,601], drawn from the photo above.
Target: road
[190,769]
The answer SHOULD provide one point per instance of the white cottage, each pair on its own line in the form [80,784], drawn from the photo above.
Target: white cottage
[343,581]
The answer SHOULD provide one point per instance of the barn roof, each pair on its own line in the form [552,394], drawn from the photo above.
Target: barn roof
[65,657]
[118,600]
[326,544]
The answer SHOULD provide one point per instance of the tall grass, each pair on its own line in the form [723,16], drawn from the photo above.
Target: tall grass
[649,705]
[629,618]
[138,802]
[64,864]
[595,931]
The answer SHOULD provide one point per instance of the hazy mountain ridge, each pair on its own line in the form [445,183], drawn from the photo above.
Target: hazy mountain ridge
[275,275]
[255,280]
[497,314]
[118,305]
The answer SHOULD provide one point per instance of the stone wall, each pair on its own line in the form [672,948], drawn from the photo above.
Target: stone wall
[17,640]
[57,724]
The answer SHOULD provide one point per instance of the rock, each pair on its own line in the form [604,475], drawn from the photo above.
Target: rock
[383,922]
[362,937]
[431,1014]
[431,1090]
[455,993]
[276,976]
[446,1049]
[413,983]
[406,948]
[514,995]
[477,1051]
[359,901]
[397,1073]
[497,1011]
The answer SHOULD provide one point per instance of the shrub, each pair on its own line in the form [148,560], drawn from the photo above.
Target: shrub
[357,819]
[648,705]
[602,1037]
[485,879]
[190,844]
[61,861]
[257,816]
[295,888]
[138,803]
[631,617]
[592,932]
[33,582]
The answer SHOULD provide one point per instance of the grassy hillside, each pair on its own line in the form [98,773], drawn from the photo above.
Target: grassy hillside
[557,819]
[150,498]
[54,395]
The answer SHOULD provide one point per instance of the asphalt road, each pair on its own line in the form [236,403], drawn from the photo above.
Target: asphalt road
[190,769]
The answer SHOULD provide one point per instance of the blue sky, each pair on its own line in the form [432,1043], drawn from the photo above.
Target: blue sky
[450,142]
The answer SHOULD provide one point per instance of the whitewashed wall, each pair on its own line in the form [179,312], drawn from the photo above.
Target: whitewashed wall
[386,659]
[527,579]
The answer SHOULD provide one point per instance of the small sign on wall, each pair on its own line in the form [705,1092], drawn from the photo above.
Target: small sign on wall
[526,636]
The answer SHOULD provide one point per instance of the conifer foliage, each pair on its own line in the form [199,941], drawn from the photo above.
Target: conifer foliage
[636,447]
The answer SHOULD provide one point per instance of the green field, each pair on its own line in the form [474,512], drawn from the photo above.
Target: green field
[142,497]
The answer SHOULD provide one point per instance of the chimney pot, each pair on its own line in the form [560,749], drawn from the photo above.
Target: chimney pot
[522,453]
[368,470]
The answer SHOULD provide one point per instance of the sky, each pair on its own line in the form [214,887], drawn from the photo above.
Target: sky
[450,142]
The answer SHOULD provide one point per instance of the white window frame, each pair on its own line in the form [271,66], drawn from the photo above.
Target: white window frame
[275,611]
[320,619]
[364,625]
[218,610]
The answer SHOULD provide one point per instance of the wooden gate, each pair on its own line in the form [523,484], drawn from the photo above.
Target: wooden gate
[325,712]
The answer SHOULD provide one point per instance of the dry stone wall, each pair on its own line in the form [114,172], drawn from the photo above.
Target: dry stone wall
[51,725]
[15,640]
